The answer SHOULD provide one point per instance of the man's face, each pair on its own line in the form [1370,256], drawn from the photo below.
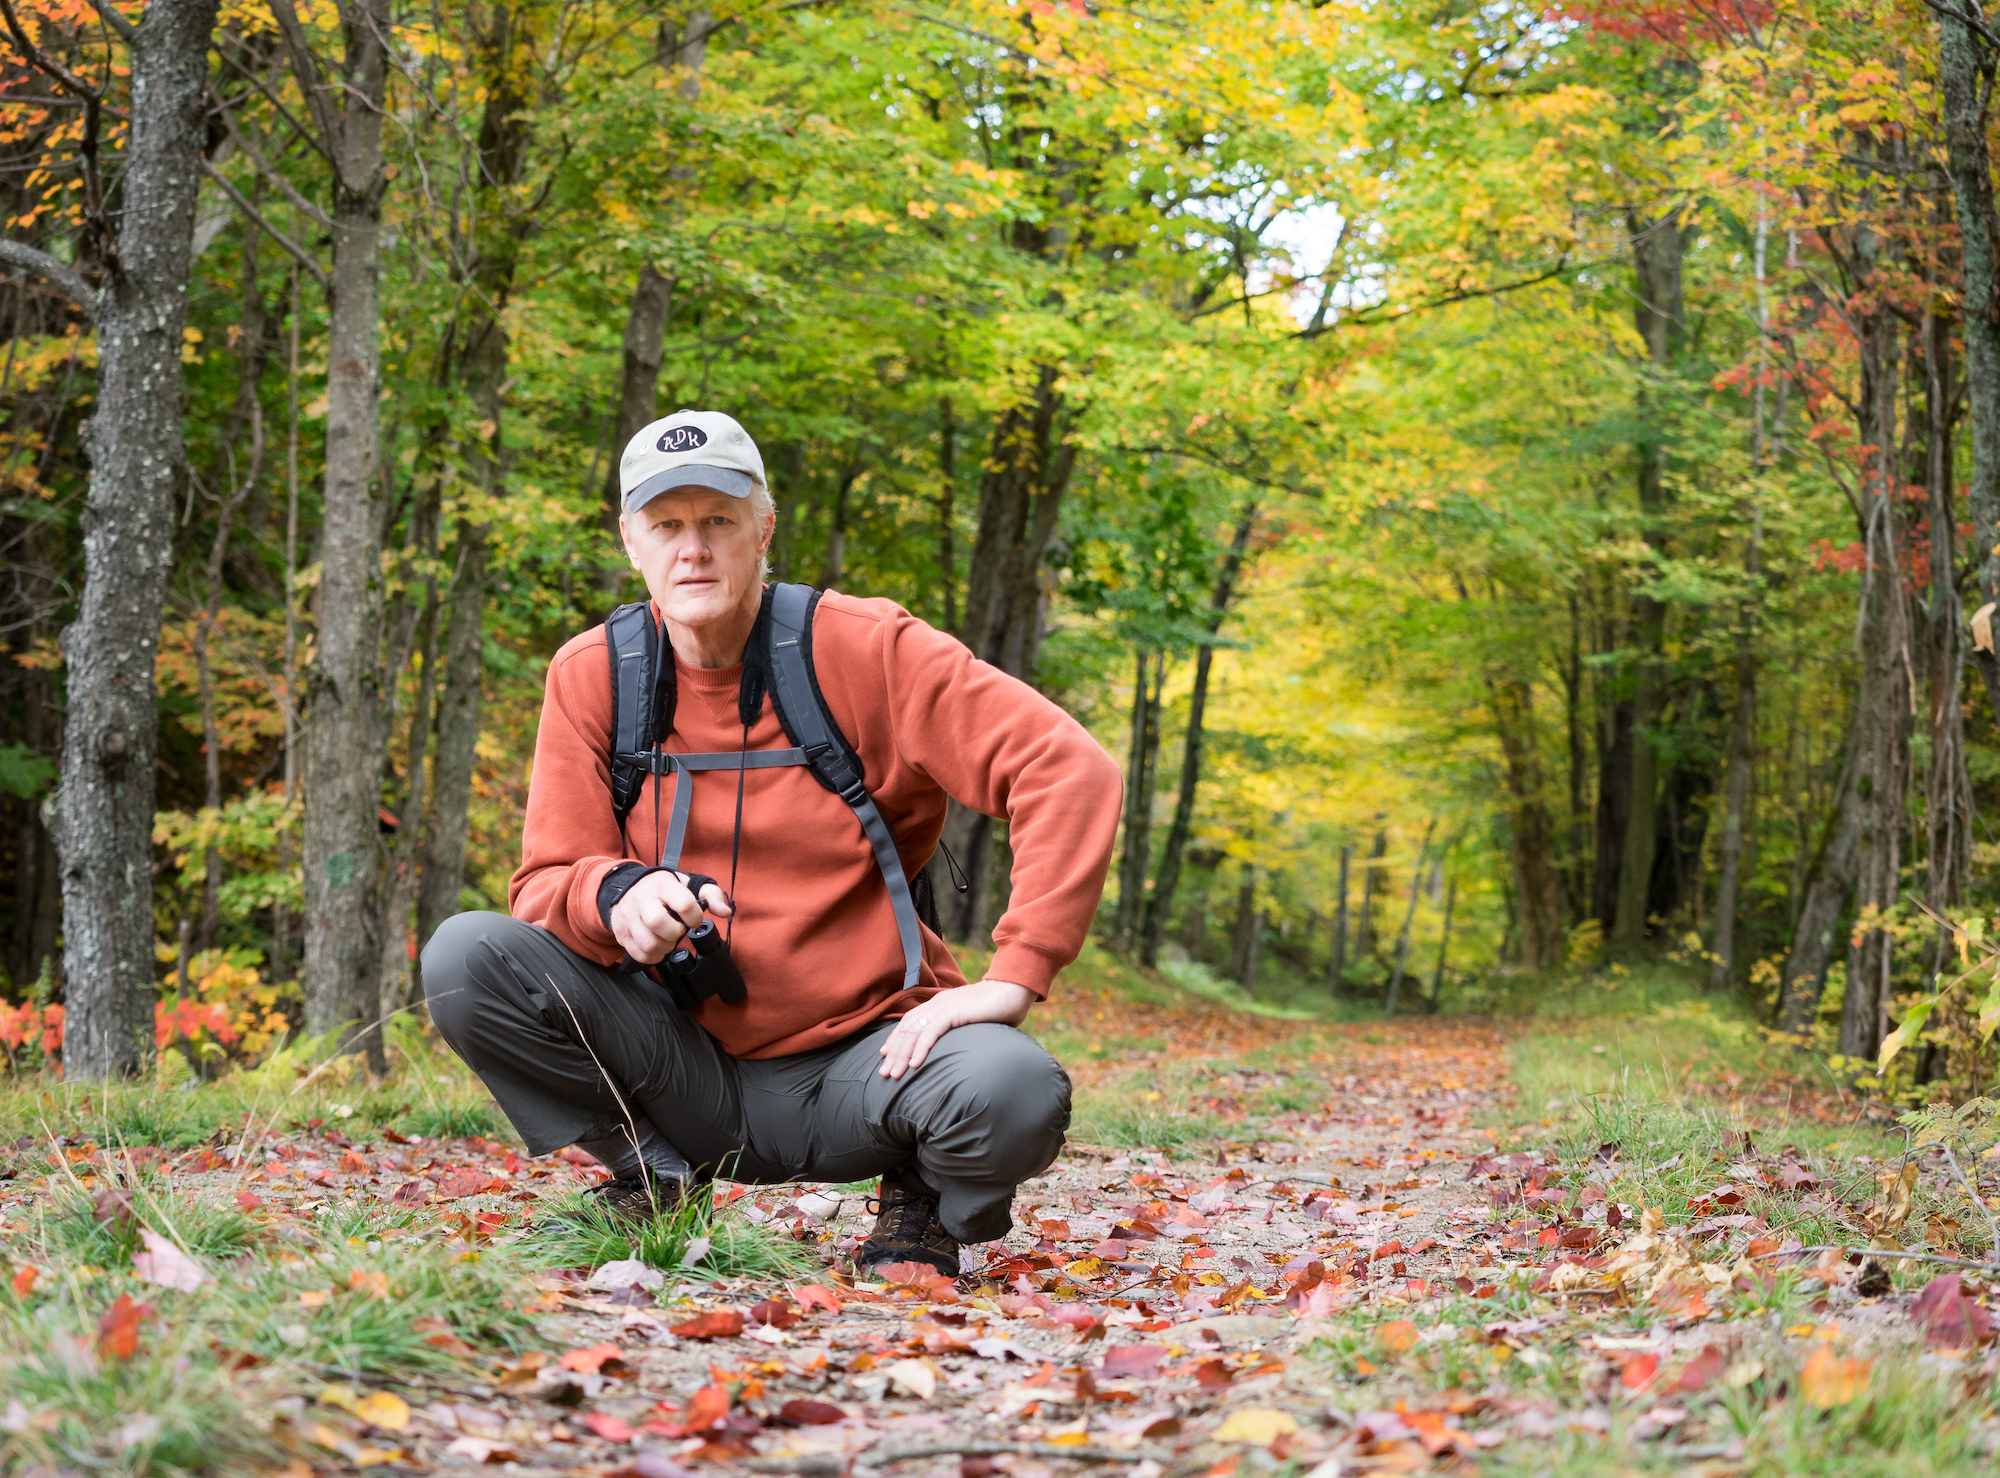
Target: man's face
[699,551]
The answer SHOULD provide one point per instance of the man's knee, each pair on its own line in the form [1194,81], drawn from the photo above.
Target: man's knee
[1019,1095]
[458,970]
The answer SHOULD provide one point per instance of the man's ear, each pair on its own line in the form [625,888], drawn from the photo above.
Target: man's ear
[769,532]
[625,538]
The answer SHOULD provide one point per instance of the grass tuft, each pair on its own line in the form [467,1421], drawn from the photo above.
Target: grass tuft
[578,1231]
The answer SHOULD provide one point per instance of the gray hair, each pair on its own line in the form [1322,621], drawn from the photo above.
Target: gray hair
[763,506]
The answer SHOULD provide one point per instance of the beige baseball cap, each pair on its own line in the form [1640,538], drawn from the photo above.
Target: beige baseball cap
[689,449]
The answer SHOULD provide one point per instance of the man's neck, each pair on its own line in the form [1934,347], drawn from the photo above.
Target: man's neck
[718,643]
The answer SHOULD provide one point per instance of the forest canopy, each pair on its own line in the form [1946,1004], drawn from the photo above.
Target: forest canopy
[1516,487]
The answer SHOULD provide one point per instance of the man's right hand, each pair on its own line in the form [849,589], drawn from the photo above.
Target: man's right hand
[658,912]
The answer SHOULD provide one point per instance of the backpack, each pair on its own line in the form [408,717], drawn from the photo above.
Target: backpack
[777,662]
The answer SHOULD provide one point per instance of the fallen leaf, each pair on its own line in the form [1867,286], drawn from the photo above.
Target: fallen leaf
[1398,1336]
[813,1295]
[1256,1424]
[590,1361]
[774,1311]
[482,1450]
[1638,1372]
[712,1325]
[1948,1318]
[118,1330]
[705,1408]
[1133,1360]
[918,1377]
[805,1413]
[1828,1380]
[629,1273]
[164,1265]
[24,1280]
[369,1282]
[248,1200]
[383,1409]
[609,1427]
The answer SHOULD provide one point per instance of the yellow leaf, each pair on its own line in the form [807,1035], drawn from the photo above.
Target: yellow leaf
[1258,1424]
[1896,1191]
[1828,1380]
[383,1409]
[337,1395]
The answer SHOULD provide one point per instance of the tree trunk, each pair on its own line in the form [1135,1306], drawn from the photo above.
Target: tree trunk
[504,137]
[1027,473]
[344,699]
[1883,701]
[1823,891]
[1364,930]
[102,813]
[1336,967]
[1947,789]
[1409,918]
[1168,878]
[1245,926]
[1531,829]
[1253,952]
[1659,314]
[1965,77]
[947,515]
[1444,938]
[1140,769]
[653,293]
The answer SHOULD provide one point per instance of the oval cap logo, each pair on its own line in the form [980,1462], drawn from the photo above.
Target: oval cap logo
[683,439]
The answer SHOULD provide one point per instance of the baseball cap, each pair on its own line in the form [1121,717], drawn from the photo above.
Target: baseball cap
[689,449]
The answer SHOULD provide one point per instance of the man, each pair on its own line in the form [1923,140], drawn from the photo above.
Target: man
[827,1067]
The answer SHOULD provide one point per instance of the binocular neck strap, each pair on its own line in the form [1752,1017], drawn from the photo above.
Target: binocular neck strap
[687,765]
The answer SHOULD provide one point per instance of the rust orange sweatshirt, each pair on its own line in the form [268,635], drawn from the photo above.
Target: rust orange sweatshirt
[815,937]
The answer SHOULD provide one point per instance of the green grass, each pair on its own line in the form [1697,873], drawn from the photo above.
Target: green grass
[694,1237]
[1124,1118]
[73,1228]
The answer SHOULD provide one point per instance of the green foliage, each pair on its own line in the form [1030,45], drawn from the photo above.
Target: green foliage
[692,1237]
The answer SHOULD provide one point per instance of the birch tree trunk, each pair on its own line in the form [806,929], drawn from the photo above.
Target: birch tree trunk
[101,815]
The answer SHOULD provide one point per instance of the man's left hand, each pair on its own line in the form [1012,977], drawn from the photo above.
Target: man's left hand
[917,1032]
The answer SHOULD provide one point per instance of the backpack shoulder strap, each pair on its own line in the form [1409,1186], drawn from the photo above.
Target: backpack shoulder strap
[801,709]
[642,701]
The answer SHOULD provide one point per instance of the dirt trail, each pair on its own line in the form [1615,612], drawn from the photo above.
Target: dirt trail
[1146,1311]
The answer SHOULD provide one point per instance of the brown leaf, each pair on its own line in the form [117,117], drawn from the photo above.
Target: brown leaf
[804,1413]
[776,1312]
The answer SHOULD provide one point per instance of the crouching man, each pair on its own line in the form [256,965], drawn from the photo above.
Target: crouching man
[714,960]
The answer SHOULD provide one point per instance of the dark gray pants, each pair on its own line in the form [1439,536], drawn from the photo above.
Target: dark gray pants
[545,1028]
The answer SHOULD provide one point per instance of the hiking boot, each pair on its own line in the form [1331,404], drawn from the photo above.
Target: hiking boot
[907,1228]
[631,1201]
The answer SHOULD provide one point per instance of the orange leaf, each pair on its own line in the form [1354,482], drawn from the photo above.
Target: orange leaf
[588,1362]
[1639,1372]
[1363,1367]
[714,1323]
[813,1295]
[248,1200]
[1397,1336]
[705,1408]
[369,1281]
[24,1280]
[1828,1381]
[118,1330]
[354,1162]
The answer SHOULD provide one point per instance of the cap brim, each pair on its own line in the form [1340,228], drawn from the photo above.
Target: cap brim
[728,480]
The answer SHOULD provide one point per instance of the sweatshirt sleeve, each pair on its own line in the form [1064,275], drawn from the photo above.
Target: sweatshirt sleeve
[569,838]
[993,743]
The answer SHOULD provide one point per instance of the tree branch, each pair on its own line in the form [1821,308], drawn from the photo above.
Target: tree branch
[305,206]
[126,31]
[1462,295]
[292,248]
[58,274]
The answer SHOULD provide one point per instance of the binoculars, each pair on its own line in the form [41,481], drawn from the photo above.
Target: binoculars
[700,967]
